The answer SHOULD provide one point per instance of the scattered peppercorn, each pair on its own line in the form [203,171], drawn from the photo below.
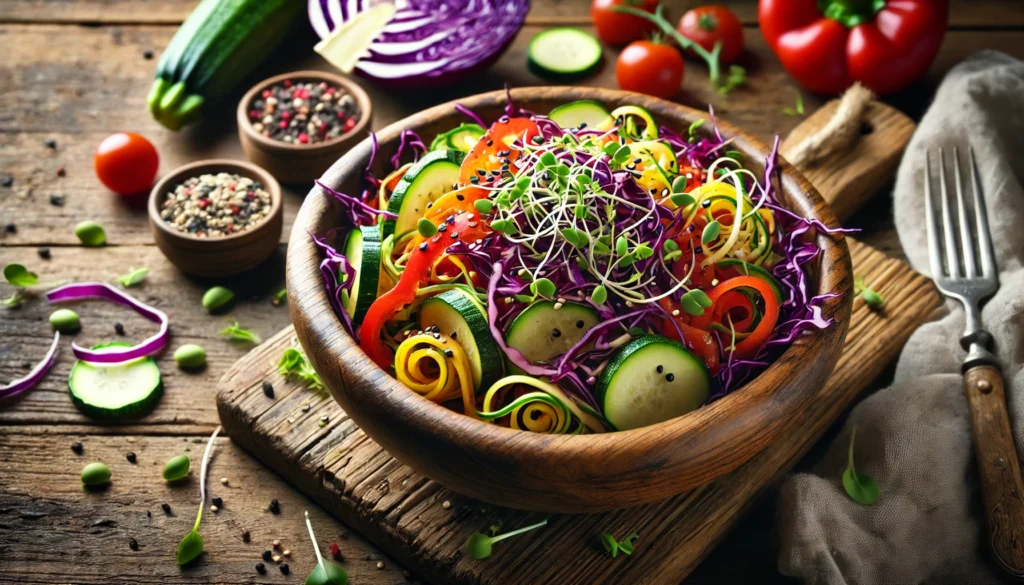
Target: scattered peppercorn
[149,514]
[303,112]
[133,544]
[11,228]
[57,200]
[50,143]
[268,389]
[285,569]
[44,253]
[166,508]
[267,555]
[213,206]
[119,328]
[218,502]
[131,457]
[275,507]
[147,54]
[261,568]
[246,537]
[77,447]
[61,172]
[6,180]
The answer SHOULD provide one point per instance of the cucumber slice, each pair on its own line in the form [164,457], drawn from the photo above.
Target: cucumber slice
[573,114]
[434,175]
[363,250]
[542,332]
[565,53]
[459,315]
[753,270]
[464,137]
[649,380]
[115,391]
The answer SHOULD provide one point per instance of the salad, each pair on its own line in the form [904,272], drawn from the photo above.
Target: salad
[583,271]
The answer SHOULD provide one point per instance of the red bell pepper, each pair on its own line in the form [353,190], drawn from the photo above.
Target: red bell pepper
[757,338]
[494,149]
[463,226]
[826,45]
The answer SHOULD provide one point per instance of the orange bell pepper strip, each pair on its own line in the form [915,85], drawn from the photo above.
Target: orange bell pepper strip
[461,226]
[494,150]
[757,338]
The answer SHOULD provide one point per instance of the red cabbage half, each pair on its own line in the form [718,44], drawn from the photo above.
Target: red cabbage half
[428,43]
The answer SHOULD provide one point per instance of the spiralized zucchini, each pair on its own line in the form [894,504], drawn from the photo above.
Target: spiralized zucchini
[548,411]
[449,377]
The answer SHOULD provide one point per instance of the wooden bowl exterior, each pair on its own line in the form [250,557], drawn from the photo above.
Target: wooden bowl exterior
[300,163]
[559,473]
[215,257]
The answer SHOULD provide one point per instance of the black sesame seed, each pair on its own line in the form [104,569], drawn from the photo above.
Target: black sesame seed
[490,142]
[77,447]
[449,353]
[660,369]
[284,569]
[692,228]
[133,544]
[455,235]
[556,333]
[706,203]
[481,172]
[443,227]
[44,253]
[473,180]
[699,250]
[219,502]
[579,324]
[268,389]
[537,140]
[503,119]
[166,508]
[460,196]
[119,328]
[147,54]
[429,205]
[267,555]
[450,219]
[454,335]
[583,125]
[131,457]
[654,191]
[670,377]
[423,247]
[637,161]
[261,568]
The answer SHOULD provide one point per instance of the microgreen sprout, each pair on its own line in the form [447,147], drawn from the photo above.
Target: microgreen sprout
[798,110]
[192,545]
[134,277]
[18,275]
[236,333]
[280,296]
[294,365]
[425,227]
[479,544]
[325,573]
[613,547]
[871,298]
[861,488]
[695,302]
[692,130]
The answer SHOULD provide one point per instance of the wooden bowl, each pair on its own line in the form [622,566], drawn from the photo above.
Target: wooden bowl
[558,473]
[300,163]
[223,256]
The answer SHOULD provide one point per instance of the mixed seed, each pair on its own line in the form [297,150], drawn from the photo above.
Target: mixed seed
[303,112]
[213,206]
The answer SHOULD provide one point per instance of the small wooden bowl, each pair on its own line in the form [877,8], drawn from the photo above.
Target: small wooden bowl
[560,473]
[300,163]
[226,255]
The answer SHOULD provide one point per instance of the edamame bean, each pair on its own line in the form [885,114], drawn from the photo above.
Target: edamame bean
[91,233]
[216,298]
[190,355]
[95,473]
[65,321]
[177,467]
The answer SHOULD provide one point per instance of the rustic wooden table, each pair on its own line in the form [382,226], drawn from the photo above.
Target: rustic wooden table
[75,72]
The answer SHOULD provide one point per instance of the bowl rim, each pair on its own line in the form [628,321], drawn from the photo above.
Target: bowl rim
[243,168]
[762,402]
[357,92]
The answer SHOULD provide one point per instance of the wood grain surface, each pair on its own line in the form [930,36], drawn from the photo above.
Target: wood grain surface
[341,468]
[75,72]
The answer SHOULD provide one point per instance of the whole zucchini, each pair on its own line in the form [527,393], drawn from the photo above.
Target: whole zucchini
[220,43]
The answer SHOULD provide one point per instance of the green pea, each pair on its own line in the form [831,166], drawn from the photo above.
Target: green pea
[96,473]
[190,355]
[91,233]
[177,467]
[872,299]
[65,321]
[216,298]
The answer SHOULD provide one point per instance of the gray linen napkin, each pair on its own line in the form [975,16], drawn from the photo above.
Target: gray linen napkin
[915,436]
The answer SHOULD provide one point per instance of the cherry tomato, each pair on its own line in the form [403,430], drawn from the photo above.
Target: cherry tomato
[707,25]
[126,163]
[650,68]
[616,28]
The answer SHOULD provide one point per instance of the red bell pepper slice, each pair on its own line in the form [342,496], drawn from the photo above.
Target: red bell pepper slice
[826,45]
[701,343]
[461,226]
[484,159]
[757,338]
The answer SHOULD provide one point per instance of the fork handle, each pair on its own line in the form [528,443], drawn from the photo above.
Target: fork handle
[1002,489]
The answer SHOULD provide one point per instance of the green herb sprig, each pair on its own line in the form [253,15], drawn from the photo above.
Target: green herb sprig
[861,488]
[479,545]
[798,110]
[294,365]
[871,298]
[19,276]
[614,547]
[134,277]
[324,573]
[192,545]
[279,297]
[236,333]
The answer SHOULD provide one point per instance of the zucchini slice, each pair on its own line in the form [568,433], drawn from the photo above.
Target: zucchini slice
[434,175]
[465,137]
[363,250]
[744,267]
[115,391]
[649,380]
[542,332]
[575,114]
[627,116]
[564,53]
[460,316]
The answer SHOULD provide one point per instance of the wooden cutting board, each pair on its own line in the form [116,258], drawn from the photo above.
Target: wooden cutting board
[425,526]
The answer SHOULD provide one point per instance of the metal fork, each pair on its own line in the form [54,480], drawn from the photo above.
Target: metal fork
[964,268]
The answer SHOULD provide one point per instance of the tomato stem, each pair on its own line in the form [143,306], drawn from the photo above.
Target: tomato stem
[658,18]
